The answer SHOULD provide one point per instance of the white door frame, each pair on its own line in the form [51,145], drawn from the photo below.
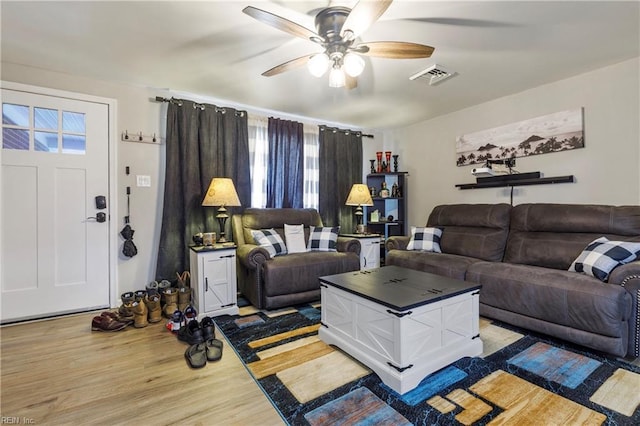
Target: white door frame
[112,197]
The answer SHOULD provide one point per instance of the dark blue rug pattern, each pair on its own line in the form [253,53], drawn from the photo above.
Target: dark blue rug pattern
[460,375]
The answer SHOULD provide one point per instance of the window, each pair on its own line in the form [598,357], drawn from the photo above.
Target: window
[40,129]
[259,155]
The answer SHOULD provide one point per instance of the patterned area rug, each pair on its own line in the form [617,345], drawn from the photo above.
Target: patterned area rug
[521,378]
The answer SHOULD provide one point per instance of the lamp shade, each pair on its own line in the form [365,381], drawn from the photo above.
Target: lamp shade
[359,196]
[318,64]
[336,77]
[353,64]
[221,192]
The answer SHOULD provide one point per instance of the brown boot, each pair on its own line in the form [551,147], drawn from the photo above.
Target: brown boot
[171,301]
[125,310]
[184,298]
[153,306]
[140,313]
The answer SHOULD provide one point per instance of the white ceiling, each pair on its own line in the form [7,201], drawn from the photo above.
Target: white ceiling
[212,49]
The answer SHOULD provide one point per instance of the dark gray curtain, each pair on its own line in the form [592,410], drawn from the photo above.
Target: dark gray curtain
[203,141]
[285,175]
[340,167]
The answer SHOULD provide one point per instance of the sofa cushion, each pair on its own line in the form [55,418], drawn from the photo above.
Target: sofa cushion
[294,236]
[473,230]
[270,240]
[299,272]
[553,235]
[562,297]
[449,265]
[323,238]
[601,256]
[427,239]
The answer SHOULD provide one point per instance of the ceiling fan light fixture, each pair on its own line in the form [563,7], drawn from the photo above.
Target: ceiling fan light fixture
[353,64]
[318,64]
[336,77]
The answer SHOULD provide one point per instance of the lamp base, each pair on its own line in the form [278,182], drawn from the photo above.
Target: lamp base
[359,225]
[222,217]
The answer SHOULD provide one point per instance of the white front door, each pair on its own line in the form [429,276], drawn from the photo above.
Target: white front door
[55,161]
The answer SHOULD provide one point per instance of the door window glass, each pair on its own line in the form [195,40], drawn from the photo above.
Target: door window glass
[46,118]
[16,115]
[52,130]
[73,144]
[45,141]
[15,139]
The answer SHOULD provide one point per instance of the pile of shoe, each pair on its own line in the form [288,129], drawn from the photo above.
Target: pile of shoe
[142,306]
[203,345]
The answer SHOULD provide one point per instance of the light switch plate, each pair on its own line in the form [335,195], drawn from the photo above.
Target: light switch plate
[143,180]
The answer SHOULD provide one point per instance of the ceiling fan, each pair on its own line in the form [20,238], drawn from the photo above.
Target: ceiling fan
[337,28]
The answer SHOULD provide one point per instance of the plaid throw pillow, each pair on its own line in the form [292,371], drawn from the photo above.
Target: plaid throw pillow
[426,239]
[323,239]
[601,256]
[271,240]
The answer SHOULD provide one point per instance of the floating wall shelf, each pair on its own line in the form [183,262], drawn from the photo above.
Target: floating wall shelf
[516,182]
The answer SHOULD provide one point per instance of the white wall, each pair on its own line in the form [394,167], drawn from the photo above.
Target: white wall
[136,111]
[606,170]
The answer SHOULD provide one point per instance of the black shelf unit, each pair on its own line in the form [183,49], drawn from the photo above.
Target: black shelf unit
[396,206]
[516,182]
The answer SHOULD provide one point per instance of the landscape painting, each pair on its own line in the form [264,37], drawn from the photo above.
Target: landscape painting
[560,131]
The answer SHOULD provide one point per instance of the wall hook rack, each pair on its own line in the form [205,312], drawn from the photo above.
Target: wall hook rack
[140,137]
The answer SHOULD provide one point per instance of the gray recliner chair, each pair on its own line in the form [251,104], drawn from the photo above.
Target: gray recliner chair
[291,279]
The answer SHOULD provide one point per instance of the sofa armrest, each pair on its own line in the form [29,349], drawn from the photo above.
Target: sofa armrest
[623,273]
[252,256]
[628,276]
[397,242]
[348,244]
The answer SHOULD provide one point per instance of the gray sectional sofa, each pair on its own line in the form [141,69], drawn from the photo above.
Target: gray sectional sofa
[521,256]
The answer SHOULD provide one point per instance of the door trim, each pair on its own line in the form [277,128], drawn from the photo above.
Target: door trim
[112,106]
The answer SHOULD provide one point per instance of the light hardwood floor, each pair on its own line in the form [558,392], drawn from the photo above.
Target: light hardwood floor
[59,372]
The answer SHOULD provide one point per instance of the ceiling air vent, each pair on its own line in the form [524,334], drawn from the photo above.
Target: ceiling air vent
[435,74]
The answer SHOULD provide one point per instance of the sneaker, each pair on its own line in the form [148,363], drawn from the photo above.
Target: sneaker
[176,322]
[190,314]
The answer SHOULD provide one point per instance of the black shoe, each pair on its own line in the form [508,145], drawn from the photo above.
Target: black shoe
[191,333]
[208,328]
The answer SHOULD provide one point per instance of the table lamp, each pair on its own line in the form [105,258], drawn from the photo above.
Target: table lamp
[221,193]
[359,196]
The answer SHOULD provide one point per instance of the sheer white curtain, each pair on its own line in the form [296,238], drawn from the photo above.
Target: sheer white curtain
[258,128]
[258,154]
[311,165]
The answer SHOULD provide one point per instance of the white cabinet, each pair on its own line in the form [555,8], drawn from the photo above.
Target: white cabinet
[213,280]
[369,250]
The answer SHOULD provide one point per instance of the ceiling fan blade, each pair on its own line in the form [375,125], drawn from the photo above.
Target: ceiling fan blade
[280,23]
[395,50]
[287,66]
[363,14]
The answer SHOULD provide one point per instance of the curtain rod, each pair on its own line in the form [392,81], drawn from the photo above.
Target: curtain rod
[346,131]
[196,105]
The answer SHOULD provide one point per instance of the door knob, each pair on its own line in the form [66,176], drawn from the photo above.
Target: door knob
[99,217]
